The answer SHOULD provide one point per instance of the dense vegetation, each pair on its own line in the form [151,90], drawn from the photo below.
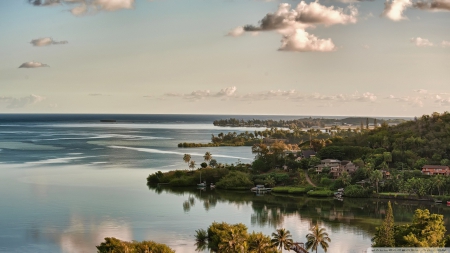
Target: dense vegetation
[112,244]
[300,123]
[426,230]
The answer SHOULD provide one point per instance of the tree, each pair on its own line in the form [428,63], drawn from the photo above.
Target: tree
[213,163]
[427,230]
[384,236]
[260,243]
[317,237]
[207,157]
[203,165]
[345,178]
[187,159]
[112,244]
[233,241]
[224,237]
[282,239]
[438,182]
[192,165]
[375,177]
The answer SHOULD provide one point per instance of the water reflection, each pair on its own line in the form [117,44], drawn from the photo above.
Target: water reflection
[357,215]
[80,235]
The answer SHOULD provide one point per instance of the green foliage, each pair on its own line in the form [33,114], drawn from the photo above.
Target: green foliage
[223,237]
[324,181]
[427,230]
[112,244]
[181,182]
[357,191]
[155,178]
[320,193]
[260,243]
[235,179]
[282,239]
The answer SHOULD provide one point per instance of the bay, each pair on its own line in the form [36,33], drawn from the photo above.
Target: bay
[67,182]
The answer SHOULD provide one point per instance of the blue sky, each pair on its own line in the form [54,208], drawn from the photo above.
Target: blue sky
[172,56]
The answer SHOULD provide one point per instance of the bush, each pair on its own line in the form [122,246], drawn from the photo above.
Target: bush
[112,244]
[320,193]
[296,190]
[281,189]
[235,180]
[356,191]
[326,181]
[180,182]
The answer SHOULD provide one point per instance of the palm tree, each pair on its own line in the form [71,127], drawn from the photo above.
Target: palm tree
[438,182]
[317,237]
[192,165]
[375,177]
[207,157]
[234,242]
[282,239]
[259,243]
[201,240]
[187,159]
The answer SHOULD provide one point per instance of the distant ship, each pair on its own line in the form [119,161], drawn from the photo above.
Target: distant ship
[107,120]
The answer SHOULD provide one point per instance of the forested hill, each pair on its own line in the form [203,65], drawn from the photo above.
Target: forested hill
[425,140]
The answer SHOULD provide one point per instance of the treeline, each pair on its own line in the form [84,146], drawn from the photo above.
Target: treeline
[301,123]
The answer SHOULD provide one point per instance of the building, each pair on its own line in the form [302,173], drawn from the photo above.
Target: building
[328,163]
[435,170]
[337,167]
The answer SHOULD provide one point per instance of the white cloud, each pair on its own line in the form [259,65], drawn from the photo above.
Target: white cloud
[12,102]
[301,41]
[227,92]
[393,9]
[303,16]
[84,6]
[32,64]
[46,42]
[445,43]
[433,5]
[315,13]
[236,32]
[420,42]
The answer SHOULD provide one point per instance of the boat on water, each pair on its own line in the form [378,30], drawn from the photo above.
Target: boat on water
[437,201]
[212,186]
[202,185]
[260,187]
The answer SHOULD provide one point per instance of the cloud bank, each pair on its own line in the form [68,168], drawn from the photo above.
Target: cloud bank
[12,102]
[302,41]
[433,5]
[82,7]
[46,42]
[32,64]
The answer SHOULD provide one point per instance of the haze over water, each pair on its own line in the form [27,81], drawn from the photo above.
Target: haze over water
[68,181]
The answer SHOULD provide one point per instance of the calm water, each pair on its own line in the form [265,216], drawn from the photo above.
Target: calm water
[68,181]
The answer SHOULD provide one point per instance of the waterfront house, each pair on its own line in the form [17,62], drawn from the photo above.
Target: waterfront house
[328,163]
[345,166]
[435,170]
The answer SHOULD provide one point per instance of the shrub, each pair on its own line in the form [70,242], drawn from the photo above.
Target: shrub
[326,181]
[320,193]
[281,189]
[180,182]
[295,190]
[356,191]
[234,180]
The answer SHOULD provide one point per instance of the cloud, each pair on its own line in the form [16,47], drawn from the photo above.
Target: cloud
[12,103]
[433,5]
[393,9]
[303,16]
[301,41]
[421,42]
[46,42]
[230,93]
[85,6]
[32,64]
[445,43]
[236,32]
[412,101]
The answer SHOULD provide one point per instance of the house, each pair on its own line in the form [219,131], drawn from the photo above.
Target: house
[345,166]
[328,163]
[386,174]
[308,153]
[435,170]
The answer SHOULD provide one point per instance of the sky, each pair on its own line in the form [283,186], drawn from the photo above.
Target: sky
[324,57]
